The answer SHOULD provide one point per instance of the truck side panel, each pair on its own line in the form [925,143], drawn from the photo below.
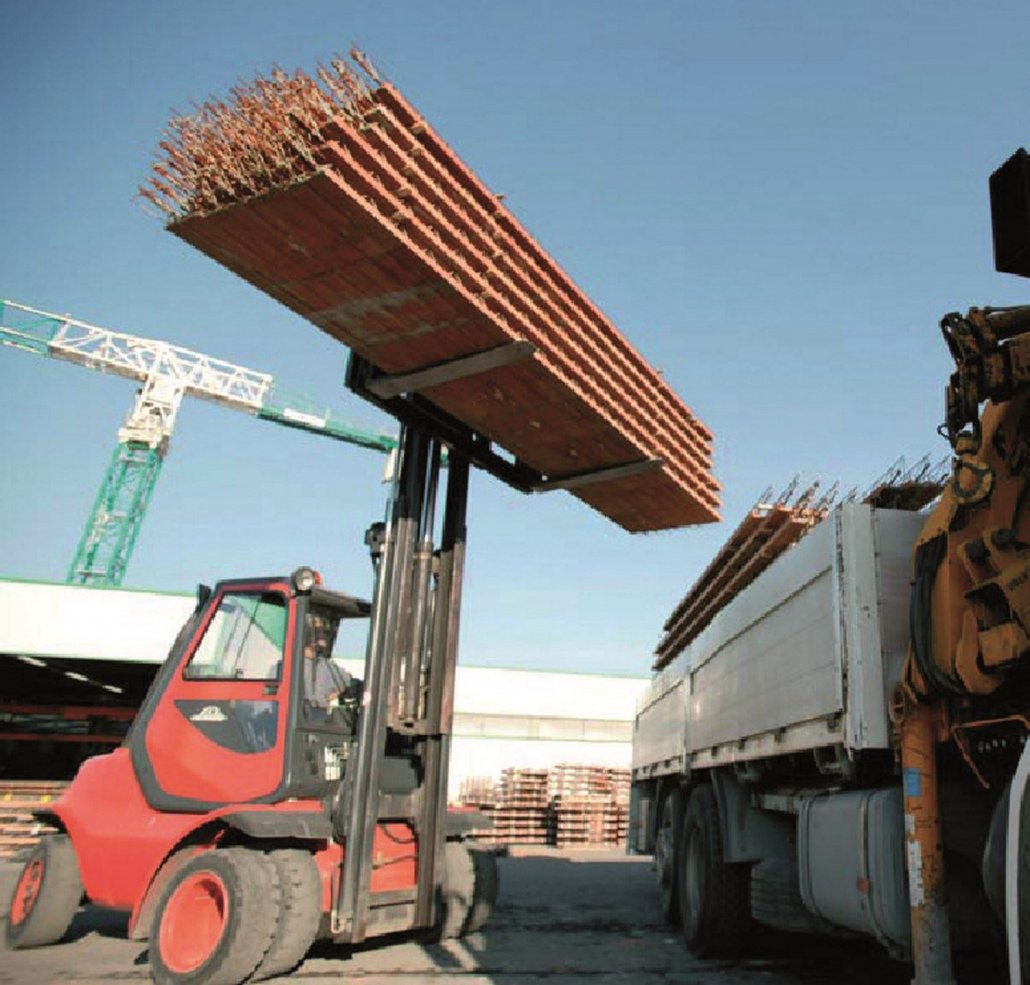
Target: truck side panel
[769,660]
[805,657]
[659,737]
[874,571]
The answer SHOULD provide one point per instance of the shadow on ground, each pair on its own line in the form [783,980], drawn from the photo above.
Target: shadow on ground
[562,917]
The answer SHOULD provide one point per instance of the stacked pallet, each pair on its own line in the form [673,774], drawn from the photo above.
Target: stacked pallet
[589,805]
[477,791]
[593,823]
[19,830]
[564,806]
[768,529]
[520,812]
[335,197]
[573,781]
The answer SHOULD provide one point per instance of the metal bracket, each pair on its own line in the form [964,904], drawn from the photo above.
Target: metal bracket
[417,412]
[388,386]
[574,481]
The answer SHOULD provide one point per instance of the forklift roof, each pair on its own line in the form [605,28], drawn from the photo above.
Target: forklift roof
[346,605]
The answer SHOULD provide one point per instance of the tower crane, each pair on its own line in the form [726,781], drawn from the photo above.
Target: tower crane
[166,373]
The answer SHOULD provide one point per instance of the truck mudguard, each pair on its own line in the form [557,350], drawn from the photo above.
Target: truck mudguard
[306,826]
[749,834]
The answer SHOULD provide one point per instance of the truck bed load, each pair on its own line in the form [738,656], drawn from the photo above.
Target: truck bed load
[805,657]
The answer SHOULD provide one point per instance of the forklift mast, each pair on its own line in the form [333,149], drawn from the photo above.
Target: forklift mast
[400,765]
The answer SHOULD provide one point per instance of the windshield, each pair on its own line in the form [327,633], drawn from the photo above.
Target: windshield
[244,639]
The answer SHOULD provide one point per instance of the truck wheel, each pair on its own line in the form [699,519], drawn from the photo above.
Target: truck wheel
[776,898]
[215,920]
[300,911]
[713,895]
[46,895]
[666,855]
[484,892]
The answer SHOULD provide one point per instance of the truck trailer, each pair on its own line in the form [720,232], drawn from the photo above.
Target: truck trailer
[842,747]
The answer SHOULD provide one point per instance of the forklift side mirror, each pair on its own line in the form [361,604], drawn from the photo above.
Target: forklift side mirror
[203,594]
[375,538]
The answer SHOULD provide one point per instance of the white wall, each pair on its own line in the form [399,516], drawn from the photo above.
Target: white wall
[45,620]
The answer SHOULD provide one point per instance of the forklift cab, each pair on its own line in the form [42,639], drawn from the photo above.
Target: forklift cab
[250,709]
[247,769]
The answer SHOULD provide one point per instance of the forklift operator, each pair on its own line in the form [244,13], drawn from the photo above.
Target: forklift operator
[327,686]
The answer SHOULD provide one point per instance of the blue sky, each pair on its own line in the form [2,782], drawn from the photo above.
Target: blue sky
[775,202]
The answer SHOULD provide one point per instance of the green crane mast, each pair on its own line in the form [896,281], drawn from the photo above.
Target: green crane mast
[166,373]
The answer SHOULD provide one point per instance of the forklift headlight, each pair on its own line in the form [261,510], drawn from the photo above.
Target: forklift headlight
[304,579]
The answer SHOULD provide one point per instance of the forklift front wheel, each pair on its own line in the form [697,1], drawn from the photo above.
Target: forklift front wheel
[300,888]
[216,919]
[469,891]
[484,893]
[46,895]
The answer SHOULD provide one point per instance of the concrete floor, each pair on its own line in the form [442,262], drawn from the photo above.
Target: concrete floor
[563,917]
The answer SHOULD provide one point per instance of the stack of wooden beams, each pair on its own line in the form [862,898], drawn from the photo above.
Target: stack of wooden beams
[903,488]
[19,830]
[334,196]
[767,530]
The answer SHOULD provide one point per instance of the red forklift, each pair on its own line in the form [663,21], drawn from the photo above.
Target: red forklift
[244,817]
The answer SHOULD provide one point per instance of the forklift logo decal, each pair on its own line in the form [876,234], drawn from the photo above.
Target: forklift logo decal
[209,713]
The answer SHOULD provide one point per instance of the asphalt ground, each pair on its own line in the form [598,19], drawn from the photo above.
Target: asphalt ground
[563,917]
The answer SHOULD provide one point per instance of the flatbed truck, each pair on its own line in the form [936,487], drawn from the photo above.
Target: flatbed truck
[843,748]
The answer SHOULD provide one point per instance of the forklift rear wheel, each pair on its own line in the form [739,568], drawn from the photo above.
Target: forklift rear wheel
[300,911]
[216,919]
[714,895]
[46,895]
[469,890]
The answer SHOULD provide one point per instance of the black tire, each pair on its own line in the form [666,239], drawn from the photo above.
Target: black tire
[300,911]
[714,902]
[484,892]
[457,892]
[666,855]
[1023,885]
[215,920]
[46,895]
[776,898]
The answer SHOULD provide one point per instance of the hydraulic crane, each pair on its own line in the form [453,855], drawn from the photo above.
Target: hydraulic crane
[166,373]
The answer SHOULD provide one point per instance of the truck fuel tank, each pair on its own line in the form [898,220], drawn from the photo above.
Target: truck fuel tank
[851,862]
